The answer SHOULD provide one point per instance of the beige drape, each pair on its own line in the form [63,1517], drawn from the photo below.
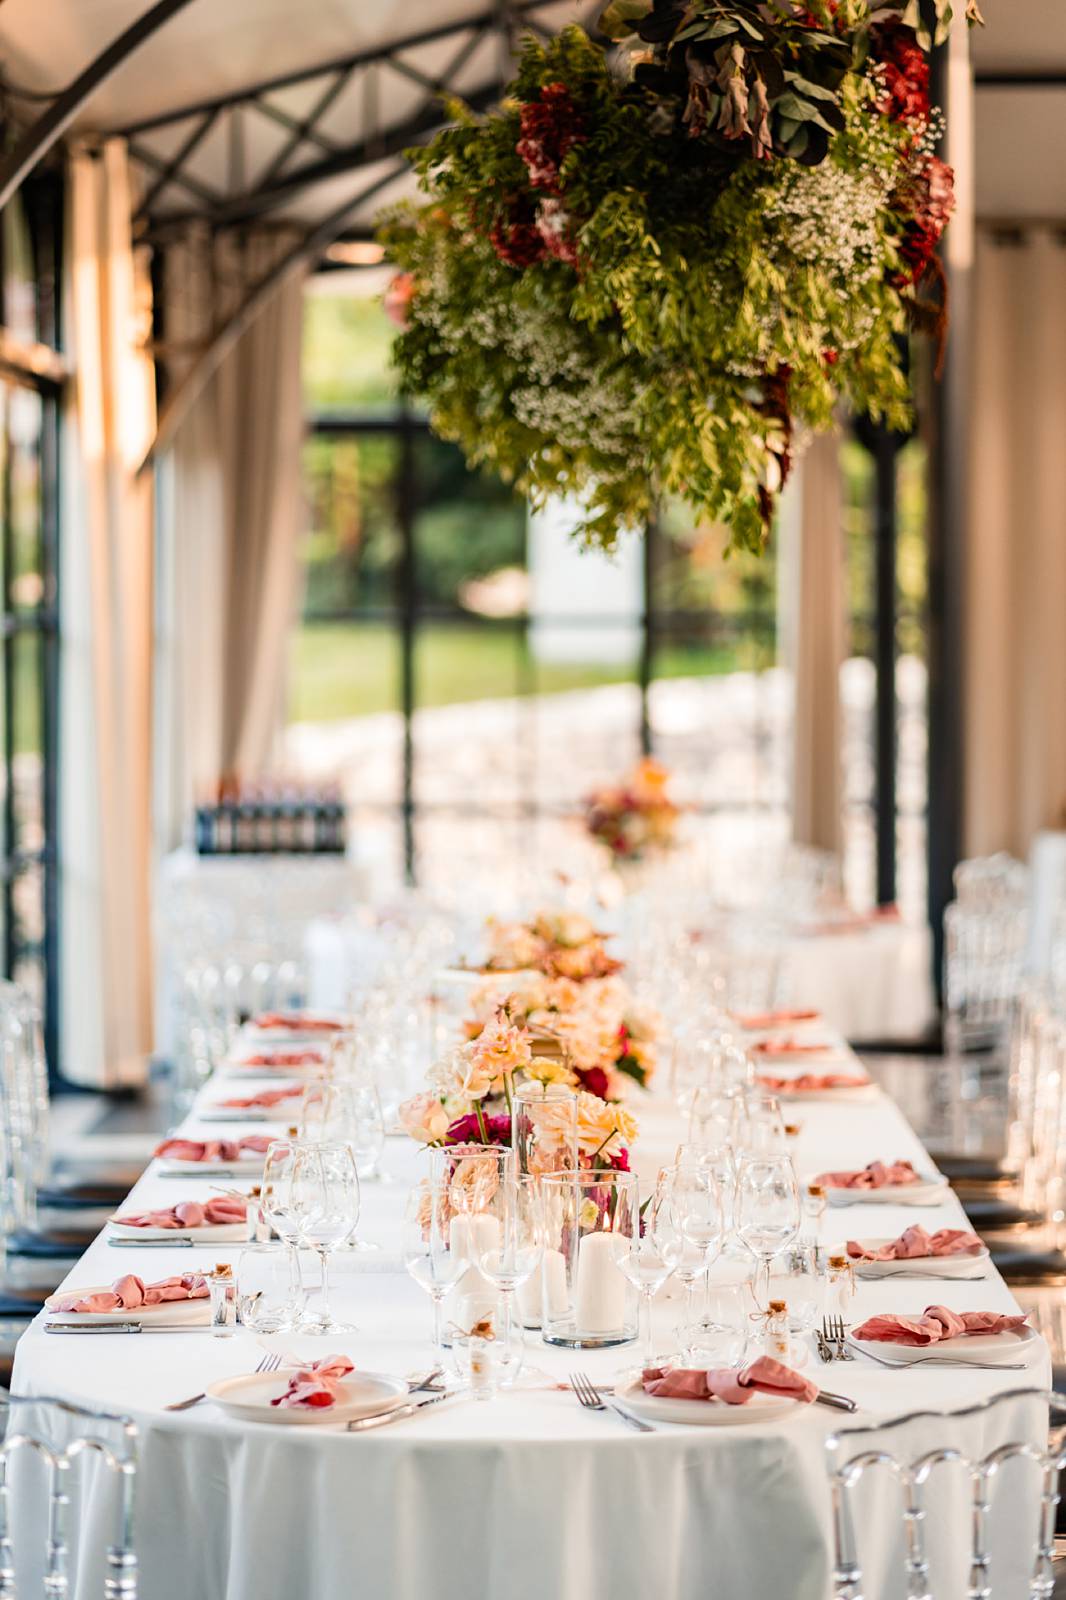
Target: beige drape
[106,603]
[814,626]
[1015,718]
[230,518]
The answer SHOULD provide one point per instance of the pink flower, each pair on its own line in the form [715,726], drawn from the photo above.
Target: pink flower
[500,1049]
[424,1118]
[397,298]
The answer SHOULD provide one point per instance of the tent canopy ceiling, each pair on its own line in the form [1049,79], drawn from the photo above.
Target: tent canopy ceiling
[252,161]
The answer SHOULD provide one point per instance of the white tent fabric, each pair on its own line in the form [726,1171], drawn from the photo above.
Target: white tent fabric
[106,605]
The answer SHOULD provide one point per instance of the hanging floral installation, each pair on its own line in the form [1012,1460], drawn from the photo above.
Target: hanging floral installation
[660,263]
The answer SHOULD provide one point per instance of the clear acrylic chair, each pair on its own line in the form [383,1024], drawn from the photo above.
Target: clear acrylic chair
[855,1454]
[112,1440]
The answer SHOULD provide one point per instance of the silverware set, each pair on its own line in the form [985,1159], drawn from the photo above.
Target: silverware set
[270,1363]
[587,1395]
[831,1339]
[947,1361]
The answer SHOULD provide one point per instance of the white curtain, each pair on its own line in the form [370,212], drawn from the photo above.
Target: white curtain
[813,628]
[106,601]
[231,513]
[1016,577]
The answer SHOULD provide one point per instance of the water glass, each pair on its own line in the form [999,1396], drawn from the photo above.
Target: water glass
[766,1211]
[427,1250]
[265,1299]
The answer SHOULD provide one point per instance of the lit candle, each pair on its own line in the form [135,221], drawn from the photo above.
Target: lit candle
[601,1288]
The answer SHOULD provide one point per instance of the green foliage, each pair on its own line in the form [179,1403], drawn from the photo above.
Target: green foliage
[704,302]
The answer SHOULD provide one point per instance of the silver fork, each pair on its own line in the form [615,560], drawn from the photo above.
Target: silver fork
[947,1361]
[589,1396]
[840,1338]
[270,1363]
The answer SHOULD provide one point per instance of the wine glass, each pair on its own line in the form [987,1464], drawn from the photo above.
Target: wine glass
[427,1250]
[762,1127]
[324,1204]
[766,1211]
[275,1207]
[653,1257]
[509,1253]
[694,1200]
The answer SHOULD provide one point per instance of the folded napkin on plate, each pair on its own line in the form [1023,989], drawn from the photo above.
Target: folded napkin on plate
[935,1324]
[787,1045]
[915,1244]
[213,1149]
[284,1058]
[130,1292]
[734,1385]
[878,1175]
[266,1098]
[220,1211]
[806,1082]
[755,1021]
[315,1385]
[296,1021]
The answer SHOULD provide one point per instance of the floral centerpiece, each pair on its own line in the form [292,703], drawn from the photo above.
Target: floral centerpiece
[560,944]
[656,277]
[634,816]
[469,1100]
[589,1035]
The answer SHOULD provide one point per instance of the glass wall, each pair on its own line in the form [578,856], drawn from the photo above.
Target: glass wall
[467,674]
[29,416]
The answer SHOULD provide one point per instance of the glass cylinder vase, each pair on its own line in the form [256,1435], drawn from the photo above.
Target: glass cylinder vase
[470,1176]
[544,1139]
[590,1219]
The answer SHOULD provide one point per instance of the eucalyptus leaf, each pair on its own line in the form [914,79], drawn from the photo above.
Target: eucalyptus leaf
[813,91]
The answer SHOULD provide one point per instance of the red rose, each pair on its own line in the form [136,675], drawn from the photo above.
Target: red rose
[550,127]
[905,73]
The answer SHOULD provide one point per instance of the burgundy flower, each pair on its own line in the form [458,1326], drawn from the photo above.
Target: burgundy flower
[514,235]
[550,127]
[594,1079]
[467,1130]
[928,202]
[905,72]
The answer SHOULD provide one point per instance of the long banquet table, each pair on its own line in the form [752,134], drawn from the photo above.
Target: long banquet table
[527,1496]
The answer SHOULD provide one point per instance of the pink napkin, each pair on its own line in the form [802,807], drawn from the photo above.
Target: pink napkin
[130,1292]
[734,1385]
[935,1324]
[265,1098]
[755,1021]
[284,1058]
[315,1385]
[878,1175]
[297,1022]
[808,1081]
[219,1211]
[786,1045]
[213,1149]
[914,1244]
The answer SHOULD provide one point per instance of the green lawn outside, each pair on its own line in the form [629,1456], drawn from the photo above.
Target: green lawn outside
[342,670]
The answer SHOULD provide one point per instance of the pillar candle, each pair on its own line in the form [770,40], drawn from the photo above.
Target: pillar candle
[601,1288]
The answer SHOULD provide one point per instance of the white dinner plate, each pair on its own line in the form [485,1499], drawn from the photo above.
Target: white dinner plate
[962,1266]
[295,1034]
[706,1413]
[210,1233]
[929,1191]
[250,1165]
[846,1095]
[978,1347]
[241,1062]
[824,1055]
[187,1313]
[278,1113]
[361,1394]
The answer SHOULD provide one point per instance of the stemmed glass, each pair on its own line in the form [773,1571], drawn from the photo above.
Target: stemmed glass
[427,1251]
[694,1201]
[767,1211]
[654,1255]
[324,1204]
[762,1127]
[509,1255]
[275,1196]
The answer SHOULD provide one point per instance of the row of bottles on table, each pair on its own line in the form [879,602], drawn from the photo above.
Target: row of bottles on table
[269,819]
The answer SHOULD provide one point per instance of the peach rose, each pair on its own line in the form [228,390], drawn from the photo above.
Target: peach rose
[424,1118]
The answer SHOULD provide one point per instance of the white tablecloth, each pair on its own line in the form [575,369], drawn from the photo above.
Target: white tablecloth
[527,1496]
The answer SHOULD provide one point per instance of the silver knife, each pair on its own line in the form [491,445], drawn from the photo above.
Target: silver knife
[836,1402]
[126,1327]
[364,1424]
[211,1172]
[627,1416]
[152,1244]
